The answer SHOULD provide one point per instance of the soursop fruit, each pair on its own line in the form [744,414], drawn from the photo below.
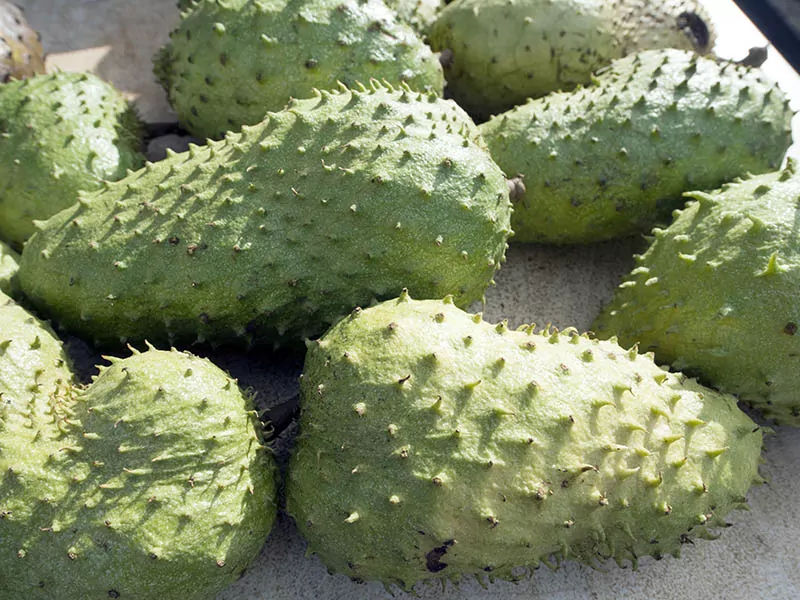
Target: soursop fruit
[275,232]
[151,483]
[21,53]
[613,159]
[9,266]
[433,444]
[500,53]
[59,134]
[228,63]
[716,293]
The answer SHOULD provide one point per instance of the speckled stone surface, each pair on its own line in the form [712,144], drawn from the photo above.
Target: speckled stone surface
[757,558]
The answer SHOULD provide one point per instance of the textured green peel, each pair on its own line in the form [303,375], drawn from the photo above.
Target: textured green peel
[59,134]
[433,444]
[9,266]
[151,483]
[228,63]
[275,232]
[613,159]
[502,52]
[716,293]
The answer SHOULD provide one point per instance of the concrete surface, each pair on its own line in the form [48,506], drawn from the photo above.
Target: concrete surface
[757,558]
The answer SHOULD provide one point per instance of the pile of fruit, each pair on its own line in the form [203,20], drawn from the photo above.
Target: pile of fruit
[367,164]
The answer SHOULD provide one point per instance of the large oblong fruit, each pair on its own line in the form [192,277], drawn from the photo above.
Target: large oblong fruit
[151,483]
[433,444]
[275,232]
[503,52]
[716,293]
[613,159]
[229,62]
[59,134]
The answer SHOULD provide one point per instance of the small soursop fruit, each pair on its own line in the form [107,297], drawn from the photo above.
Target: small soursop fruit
[502,52]
[275,232]
[59,134]
[227,64]
[433,444]
[21,53]
[716,293]
[9,265]
[151,483]
[613,159]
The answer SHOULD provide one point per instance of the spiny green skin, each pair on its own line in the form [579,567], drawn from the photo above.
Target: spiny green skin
[433,444]
[274,233]
[32,365]
[154,484]
[613,160]
[59,134]
[9,266]
[228,63]
[505,52]
[21,53]
[716,293]
[420,14]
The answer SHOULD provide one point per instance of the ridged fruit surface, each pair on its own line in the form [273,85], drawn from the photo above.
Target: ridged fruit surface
[433,444]
[275,232]
[420,14]
[502,52]
[229,62]
[59,134]
[9,266]
[716,293]
[613,159]
[151,483]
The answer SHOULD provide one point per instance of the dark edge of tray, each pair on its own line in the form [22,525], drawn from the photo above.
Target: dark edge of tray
[775,27]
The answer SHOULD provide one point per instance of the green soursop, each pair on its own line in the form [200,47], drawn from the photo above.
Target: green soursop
[500,53]
[613,159]
[151,483]
[21,53]
[228,63]
[59,134]
[9,265]
[275,232]
[433,444]
[716,293]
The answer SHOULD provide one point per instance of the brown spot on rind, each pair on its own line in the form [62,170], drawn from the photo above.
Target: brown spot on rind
[433,558]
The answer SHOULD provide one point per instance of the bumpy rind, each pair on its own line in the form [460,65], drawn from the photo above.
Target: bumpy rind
[9,266]
[433,444]
[151,483]
[228,63]
[59,133]
[21,53]
[275,232]
[613,159]
[502,53]
[716,293]
[420,14]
